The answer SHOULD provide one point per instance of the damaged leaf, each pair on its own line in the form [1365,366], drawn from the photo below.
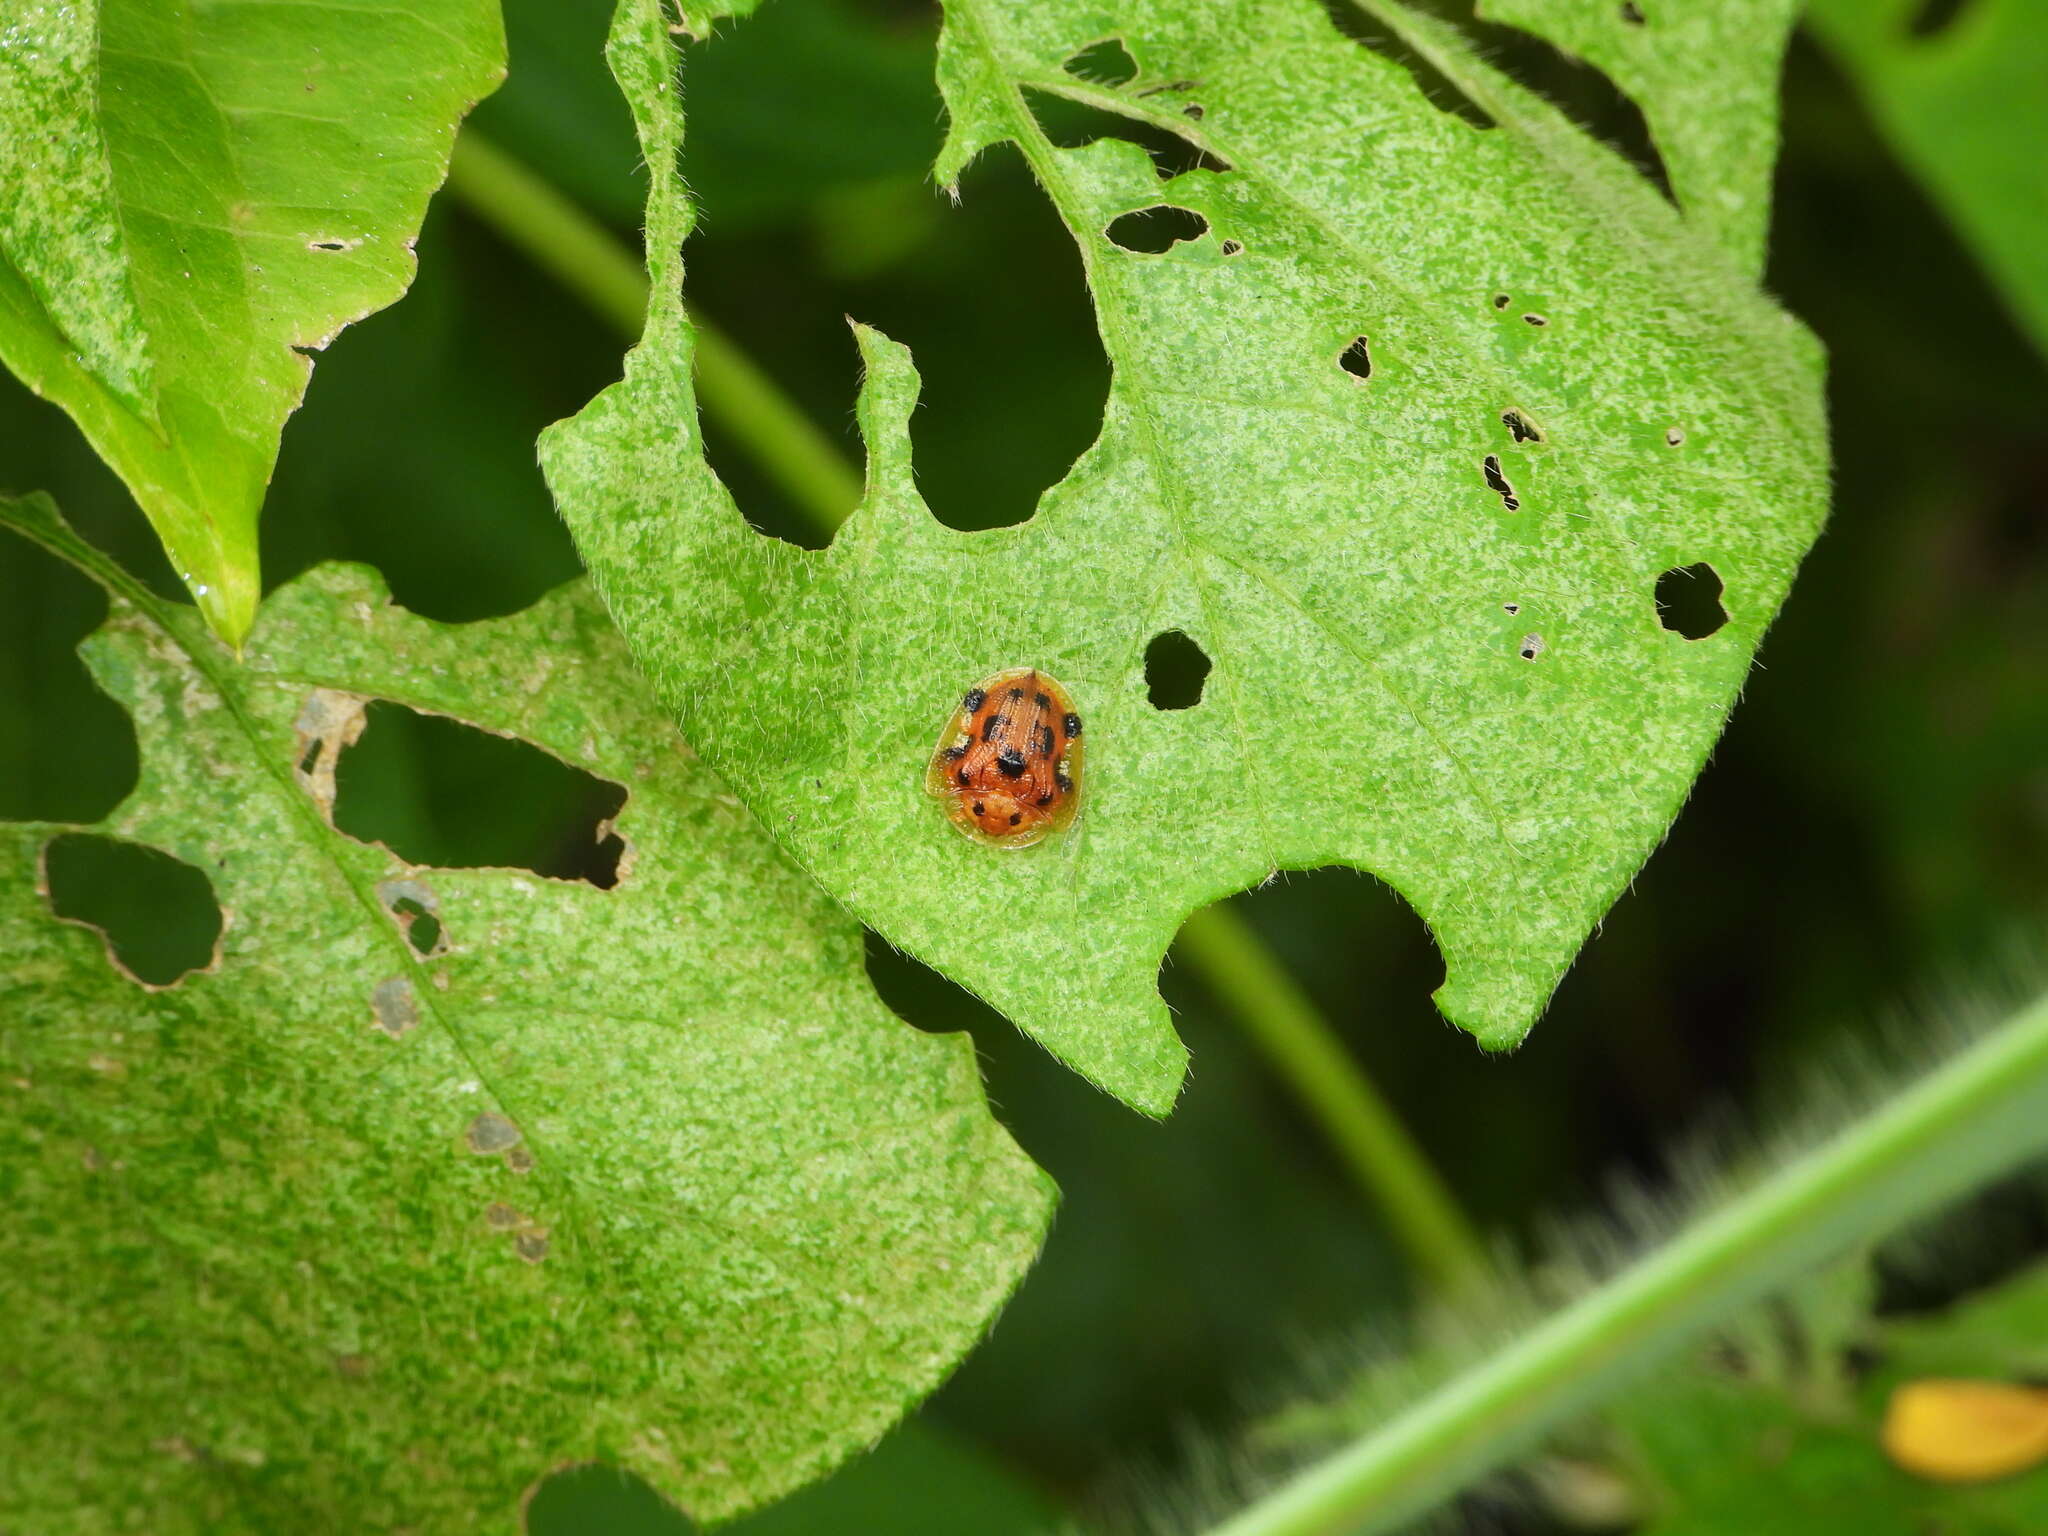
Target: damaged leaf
[1468,692]
[198,197]
[350,1228]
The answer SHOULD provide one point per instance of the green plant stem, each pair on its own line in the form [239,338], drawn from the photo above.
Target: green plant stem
[592,263]
[1299,1043]
[588,260]
[1979,1114]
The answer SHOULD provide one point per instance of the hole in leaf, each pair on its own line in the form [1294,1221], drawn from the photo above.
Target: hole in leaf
[1231,247]
[158,913]
[1674,437]
[1689,601]
[1357,359]
[1536,320]
[1511,608]
[1520,428]
[1632,13]
[1532,646]
[1156,230]
[422,928]
[1502,300]
[412,906]
[1936,16]
[1108,62]
[1074,125]
[1194,110]
[986,442]
[577,1501]
[440,793]
[1498,483]
[68,751]
[1353,21]
[1175,670]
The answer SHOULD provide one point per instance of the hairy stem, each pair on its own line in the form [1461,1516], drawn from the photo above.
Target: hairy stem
[588,260]
[591,262]
[1979,1114]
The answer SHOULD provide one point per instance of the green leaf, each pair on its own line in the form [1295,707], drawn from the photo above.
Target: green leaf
[340,1230]
[1965,109]
[199,197]
[1731,1445]
[1429,596]
[1706,78]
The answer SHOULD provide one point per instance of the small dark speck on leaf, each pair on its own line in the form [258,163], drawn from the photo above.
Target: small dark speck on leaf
[1632,13]
[1535,320]
[491,1132]
[1532,647]
[1194,110]
[1502,301]
[1674,436]
[1511,607]
[502,1216]
[519,1159]
[354,1367]
[531,1246]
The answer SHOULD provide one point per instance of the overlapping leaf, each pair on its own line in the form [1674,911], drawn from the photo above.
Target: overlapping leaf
[361,1227]
[1430,594]
[1964,104]
[1769,1445]
[198,197]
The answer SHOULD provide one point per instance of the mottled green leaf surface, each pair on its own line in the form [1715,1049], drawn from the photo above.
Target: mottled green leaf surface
[1427,594]
[1966,106]
[198,196]
[339,1233]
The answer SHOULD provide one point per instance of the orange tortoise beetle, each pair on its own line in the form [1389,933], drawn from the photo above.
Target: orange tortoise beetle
[1009,764]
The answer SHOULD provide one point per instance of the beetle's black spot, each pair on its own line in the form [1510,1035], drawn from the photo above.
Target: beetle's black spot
[956,753]
[1041,700]
[978,807]
[1066,784]
[1045,799]
[974,700]
[963,776]
[1073,725]
[1010,763]
[1045,741]
[992,725]
[1016,693]
[1015,817]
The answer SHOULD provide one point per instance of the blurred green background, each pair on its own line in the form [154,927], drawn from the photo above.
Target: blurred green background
[1877,812]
